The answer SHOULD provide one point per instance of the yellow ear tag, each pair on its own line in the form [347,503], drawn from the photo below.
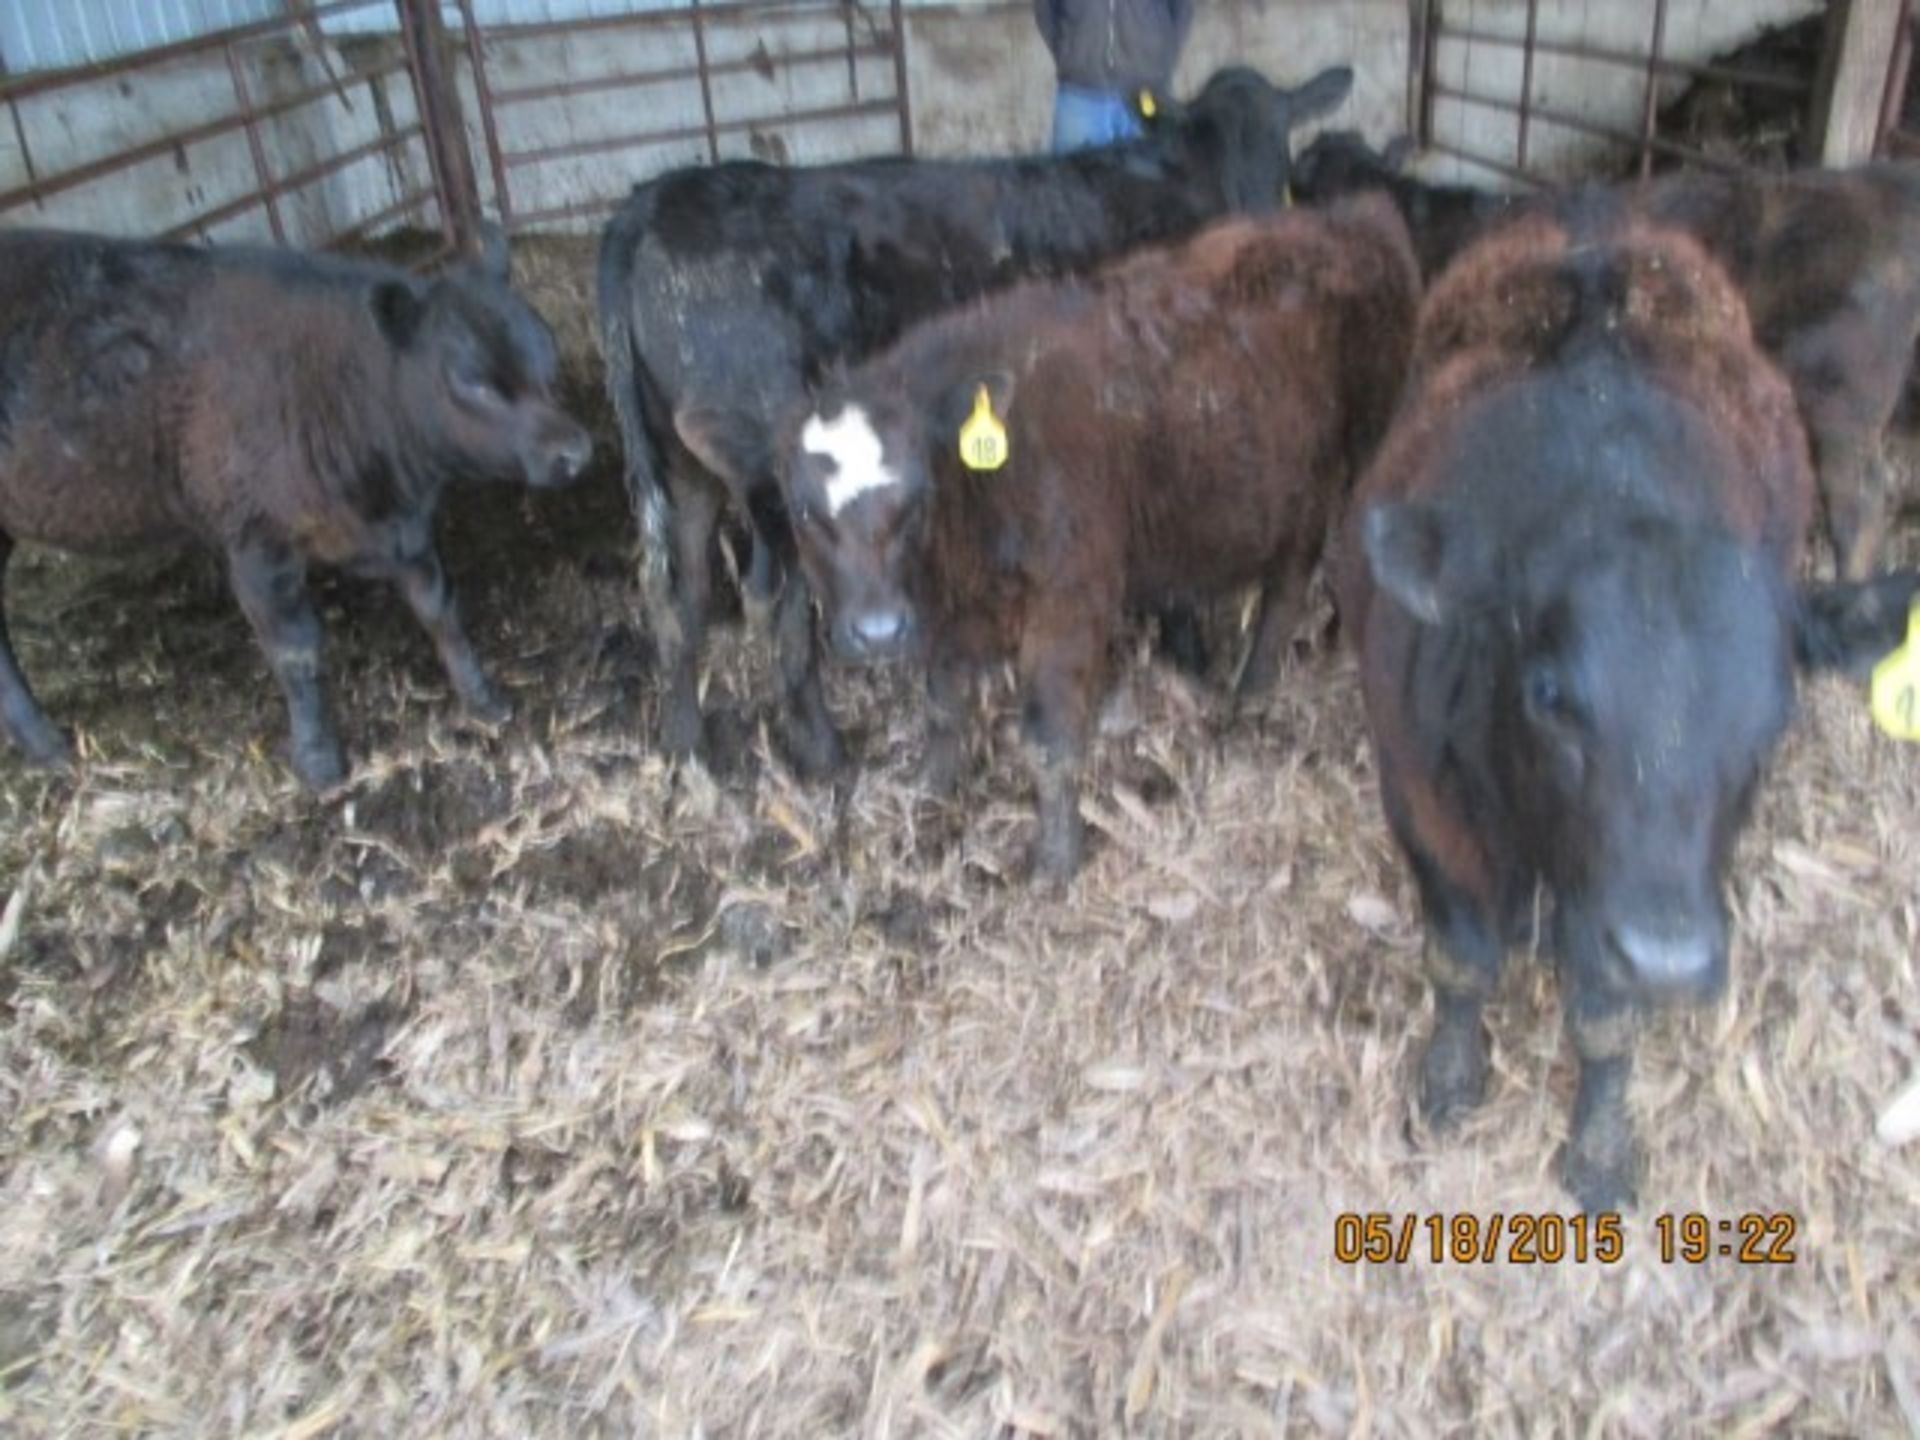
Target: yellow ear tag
[983,439]
[1896,686]
[1148,109]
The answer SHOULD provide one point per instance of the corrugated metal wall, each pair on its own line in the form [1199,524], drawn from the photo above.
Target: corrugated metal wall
[54,34]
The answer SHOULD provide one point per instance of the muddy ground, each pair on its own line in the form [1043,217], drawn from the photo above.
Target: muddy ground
[533,1088]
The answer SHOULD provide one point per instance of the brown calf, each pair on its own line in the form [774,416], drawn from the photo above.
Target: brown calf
[283,409]
[1828,262]
[1569,574]
[1185,424]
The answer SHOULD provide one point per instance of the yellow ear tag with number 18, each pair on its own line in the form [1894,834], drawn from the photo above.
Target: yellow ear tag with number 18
[1148,107]
[1896,686]
[983,439]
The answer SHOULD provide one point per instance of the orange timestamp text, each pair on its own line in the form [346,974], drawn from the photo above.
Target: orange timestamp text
[1521,1238]
[1528,1238]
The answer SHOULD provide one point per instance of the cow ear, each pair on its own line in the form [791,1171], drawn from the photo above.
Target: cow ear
[494,256]
[1399,150]
[1321,95]
[1855,624]
[398,309]
[1421,555]
[730,443]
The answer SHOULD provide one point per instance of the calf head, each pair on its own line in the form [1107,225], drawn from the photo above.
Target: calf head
[477,372]
[1341,161]
[1626,685]
[1238,127]
[858,479]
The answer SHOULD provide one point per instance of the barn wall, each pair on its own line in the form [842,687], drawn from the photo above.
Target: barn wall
[981,81]
[749,104]
[74,125]
[1604,94]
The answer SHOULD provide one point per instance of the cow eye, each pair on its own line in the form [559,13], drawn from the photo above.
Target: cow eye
[1546,698]
[474,385]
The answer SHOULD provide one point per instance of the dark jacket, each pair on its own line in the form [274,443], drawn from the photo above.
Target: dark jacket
[1120,45]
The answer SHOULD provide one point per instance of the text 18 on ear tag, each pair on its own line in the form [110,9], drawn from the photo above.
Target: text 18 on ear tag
[983,439]
[1896,686]
[1149,107]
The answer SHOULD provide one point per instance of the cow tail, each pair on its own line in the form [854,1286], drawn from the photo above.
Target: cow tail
[646,486]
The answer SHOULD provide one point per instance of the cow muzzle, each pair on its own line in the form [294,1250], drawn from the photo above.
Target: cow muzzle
[560,458]
[1671,961]
[874,634]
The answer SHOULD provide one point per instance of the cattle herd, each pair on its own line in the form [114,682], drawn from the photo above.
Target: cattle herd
[1563,453]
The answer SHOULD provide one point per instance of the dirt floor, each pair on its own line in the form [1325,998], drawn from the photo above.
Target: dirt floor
[533,1088]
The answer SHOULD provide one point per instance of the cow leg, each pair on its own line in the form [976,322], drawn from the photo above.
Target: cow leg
[677,614]
[1060,677]
[947,695]
[1183,639]
[1463,955]
[27,724]
[757,585]
[813,742]
[1281,599]
[270,583]
[1602,1160]
[424,584]
[1855,493]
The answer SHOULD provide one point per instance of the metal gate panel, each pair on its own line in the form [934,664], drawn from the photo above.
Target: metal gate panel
[275,129]
[1899,132]
[1540,97]
[571,112]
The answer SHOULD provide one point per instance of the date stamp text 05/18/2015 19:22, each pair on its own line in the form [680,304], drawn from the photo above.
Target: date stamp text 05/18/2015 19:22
[1525,1238]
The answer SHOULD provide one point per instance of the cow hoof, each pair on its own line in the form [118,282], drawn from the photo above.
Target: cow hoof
[489,707]
[1453,1075]
[816,754]
[46,749]
[1055,863]
[683,733]
[1256,683]
[757,613]
[320,767]
[1602,1183]
[940,771]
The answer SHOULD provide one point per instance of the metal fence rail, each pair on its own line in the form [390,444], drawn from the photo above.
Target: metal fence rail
[515,157]
[1432,30]
[248,113]
[1895,137]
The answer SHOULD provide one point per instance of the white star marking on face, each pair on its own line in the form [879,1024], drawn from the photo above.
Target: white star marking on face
[859,459]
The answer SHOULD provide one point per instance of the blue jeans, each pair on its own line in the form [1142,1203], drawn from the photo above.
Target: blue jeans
[1083,117]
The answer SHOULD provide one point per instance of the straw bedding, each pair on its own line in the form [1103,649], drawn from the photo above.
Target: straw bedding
[533,1088]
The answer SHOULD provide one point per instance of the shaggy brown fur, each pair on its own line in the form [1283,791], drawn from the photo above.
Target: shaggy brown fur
[1504,309]
[283,409]
[1186,426]
[1827,261]
[1569,579]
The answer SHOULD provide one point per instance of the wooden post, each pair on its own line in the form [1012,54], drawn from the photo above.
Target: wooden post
[441,122]
[1861,36]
